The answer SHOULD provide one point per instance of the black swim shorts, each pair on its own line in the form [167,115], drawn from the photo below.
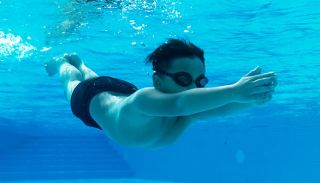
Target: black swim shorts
[87,89]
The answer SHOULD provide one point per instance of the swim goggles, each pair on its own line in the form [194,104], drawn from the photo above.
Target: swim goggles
[185,79]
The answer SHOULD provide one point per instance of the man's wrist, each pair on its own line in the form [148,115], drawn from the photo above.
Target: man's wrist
[233,93]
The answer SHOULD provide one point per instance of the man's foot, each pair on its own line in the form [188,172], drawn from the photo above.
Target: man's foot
[74,60]
[53,66]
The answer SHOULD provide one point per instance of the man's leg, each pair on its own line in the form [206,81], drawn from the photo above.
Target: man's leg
[87,72]
[76,61]
[71,70]
[70,76]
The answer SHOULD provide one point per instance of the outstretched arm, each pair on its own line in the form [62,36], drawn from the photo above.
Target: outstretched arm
[232,107]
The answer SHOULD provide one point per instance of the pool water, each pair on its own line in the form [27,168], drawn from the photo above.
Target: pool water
[41,140]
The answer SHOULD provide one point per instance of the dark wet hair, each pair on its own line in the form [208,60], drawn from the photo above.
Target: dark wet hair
[162,56]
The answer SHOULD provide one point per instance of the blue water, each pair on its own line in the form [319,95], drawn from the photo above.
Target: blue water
[41,140]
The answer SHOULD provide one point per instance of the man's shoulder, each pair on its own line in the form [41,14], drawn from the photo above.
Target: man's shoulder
[131,102]
[141,91]
[131,98]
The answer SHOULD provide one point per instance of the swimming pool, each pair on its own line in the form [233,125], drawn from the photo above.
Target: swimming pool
[41,140]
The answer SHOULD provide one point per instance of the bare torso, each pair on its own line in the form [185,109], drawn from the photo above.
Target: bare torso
[127,126]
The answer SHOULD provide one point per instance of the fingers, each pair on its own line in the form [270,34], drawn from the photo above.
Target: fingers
[263,89]
[275,83]
[254,71]
[260,76]
[272,80]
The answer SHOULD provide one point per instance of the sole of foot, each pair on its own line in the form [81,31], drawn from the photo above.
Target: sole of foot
[52,67]
[74,60]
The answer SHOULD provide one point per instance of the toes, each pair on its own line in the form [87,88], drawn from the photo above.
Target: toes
[75,57]
[66,56]
[75,60]
[74,54]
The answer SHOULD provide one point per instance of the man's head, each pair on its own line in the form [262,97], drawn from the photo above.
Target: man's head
[174,62]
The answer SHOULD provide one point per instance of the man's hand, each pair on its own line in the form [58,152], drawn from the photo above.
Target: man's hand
[267,95]
[256,88]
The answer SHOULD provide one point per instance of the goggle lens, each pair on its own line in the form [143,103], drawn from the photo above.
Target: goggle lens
[184,79]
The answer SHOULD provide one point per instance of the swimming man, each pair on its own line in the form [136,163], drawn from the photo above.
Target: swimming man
[154,117]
